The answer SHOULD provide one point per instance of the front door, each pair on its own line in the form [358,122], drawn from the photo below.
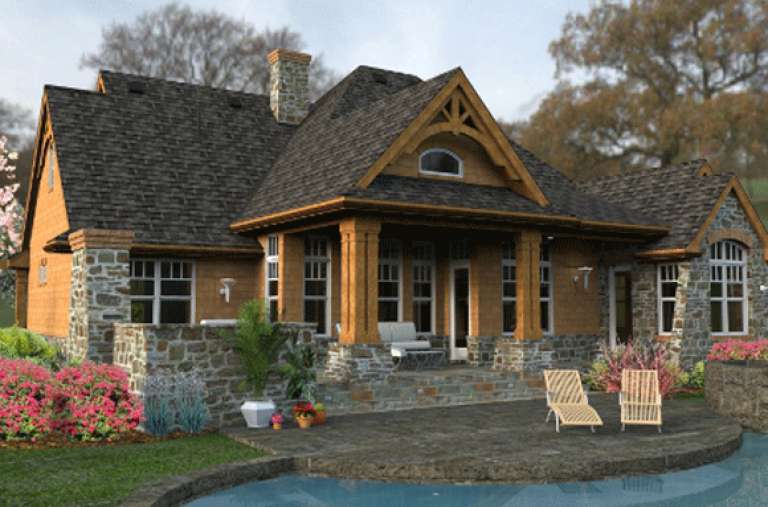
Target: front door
[622,304]
[459,311]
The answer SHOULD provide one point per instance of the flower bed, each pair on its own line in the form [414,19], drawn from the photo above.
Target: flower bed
[87,403]
[739,350]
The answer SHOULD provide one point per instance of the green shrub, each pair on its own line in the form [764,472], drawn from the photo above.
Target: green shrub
[596,373]
[696,376]
[20,343]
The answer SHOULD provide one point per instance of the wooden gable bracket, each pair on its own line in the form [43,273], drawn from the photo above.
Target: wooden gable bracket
[459,110]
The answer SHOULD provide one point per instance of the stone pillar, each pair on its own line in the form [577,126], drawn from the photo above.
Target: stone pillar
[22,281]
[100,292]
[289,85]
[290,292]
[359,280]
[527,254]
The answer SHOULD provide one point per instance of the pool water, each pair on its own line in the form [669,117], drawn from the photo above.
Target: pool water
[738,481]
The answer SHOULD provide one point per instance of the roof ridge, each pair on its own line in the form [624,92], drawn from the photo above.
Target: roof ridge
[179,82]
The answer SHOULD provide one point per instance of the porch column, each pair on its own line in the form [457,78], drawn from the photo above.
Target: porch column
[527,254]
[290,292]
[359,280]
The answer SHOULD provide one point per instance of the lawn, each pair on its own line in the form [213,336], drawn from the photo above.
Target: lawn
[106,475]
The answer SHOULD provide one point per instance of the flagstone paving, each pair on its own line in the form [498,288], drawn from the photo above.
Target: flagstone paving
[499,442]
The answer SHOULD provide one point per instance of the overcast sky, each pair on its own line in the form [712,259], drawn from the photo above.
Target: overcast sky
[502,45]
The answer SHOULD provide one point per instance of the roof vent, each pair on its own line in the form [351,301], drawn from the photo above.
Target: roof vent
[380,77]
[136,86]
[235,102]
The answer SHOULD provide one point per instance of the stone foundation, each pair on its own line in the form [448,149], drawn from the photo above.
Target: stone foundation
[358,363]
[480,350]
[525,356]
[739,390]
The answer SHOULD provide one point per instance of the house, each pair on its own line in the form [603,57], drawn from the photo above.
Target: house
[391,198]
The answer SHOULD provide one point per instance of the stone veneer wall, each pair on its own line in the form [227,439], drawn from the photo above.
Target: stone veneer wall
[355,363]
[145,349]
[740,391]
[99,297]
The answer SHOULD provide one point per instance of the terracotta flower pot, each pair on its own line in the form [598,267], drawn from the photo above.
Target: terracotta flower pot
[304,422]
[319,418]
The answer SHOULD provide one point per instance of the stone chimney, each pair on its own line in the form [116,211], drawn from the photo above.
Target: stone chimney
[289,85]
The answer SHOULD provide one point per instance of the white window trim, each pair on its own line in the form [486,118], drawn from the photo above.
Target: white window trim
[725,264]
[268,259]
[438,173]
[431,299]
[156,298]
[551,298]
[661,299]
[393,262]
[505,262]
[327,297]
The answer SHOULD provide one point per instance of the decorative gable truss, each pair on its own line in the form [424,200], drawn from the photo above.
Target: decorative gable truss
[458,110]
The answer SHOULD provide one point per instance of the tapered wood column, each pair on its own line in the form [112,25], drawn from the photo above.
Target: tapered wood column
[359,280]
[527,254]
[290,292]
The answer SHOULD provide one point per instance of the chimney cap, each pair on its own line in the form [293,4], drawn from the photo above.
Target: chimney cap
[287,54]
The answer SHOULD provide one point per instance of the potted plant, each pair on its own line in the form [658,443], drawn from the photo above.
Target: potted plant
[259,344]
[277,420]
[299,370]
[304,413]
[319,414]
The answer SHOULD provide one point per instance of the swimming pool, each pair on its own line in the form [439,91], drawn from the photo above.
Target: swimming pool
[738,481]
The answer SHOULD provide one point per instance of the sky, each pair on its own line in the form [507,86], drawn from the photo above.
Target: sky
[501,45]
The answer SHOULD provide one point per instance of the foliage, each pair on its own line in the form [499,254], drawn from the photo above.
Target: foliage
[25,400]
[739,350]
[693,379]
[190,402]
[106,475]
[158,414]
[304,409]
[208,48]
[644,83]
[17,342]
[93,402]
[320,407]
[640,356]
[258,343]
[299,369]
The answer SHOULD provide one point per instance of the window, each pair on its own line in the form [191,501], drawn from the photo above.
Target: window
[667,290]
[545,267]
[161,291]
[51,167]
[423,286]
[508,288]
[728,287]
[441,162]
[272,278]
[316,288]
[389,280]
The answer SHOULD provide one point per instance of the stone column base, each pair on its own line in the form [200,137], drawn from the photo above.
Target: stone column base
[481,350]
[358,362]
[525,356]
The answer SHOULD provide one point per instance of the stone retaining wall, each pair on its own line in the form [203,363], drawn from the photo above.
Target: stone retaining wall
[739,390]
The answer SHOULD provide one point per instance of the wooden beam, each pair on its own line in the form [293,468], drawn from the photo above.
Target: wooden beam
[359,280]
[528,280]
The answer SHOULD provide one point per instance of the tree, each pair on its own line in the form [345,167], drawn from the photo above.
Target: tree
[208,48]
[17,126]
[654,83]
[11,216]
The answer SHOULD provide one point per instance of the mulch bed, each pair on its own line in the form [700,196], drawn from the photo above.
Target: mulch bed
[56,440]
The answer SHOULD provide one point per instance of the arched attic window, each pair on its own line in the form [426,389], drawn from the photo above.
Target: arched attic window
[441,162]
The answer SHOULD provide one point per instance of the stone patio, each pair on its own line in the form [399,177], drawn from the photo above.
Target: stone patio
[499,442]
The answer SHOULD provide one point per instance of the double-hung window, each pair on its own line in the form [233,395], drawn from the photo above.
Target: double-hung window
[389,280]
[545,267]
[667,290]
[423,286]
[162,291]
[316,283]
[728,287]
[272,277]
[508,288]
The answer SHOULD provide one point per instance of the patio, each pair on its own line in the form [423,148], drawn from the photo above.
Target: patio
[499,442]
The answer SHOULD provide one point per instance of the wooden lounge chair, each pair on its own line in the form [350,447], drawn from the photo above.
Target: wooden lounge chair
[639,398]
[566,399]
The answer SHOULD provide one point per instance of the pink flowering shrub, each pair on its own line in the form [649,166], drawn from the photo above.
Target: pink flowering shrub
[638,357]
[93,402]
[25,400]
[739,350]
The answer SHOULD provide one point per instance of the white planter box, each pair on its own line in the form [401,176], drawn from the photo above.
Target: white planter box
[257,414]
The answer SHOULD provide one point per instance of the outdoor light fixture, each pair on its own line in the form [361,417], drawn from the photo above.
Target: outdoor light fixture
[227,284]
[763,288]
[586,270]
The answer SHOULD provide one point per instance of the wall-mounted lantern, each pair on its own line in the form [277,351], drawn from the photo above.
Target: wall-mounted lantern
[585,271]
[226,288]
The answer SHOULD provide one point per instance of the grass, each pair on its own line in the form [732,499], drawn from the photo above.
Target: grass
[106,475]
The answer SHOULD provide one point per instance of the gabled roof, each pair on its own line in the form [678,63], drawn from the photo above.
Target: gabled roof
[176,163]
[680,196]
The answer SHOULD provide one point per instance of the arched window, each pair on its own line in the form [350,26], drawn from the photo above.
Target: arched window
[440,162]
[728,287]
